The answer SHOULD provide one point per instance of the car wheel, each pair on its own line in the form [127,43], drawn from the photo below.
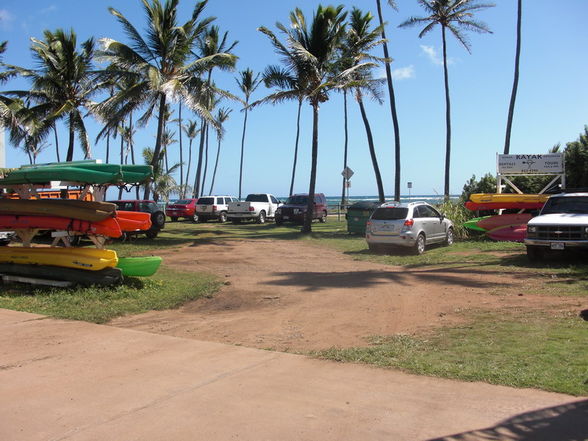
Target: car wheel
[261,217]
[152,234]
[222,217]
[534,253]
[323,218]
[174,219]
[449,237]
[279,220]
[158,219]
[420,245]
[195,218]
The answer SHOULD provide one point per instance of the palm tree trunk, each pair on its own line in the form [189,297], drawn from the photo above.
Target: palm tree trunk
[242,150]
[307,227]
[189,165]
[215,166]
[132,147]
[56,141]
[122,156]
[70,147]
[447,118]
[181,151]
[392,110]
[157,151]
[296,148]
[199,166]
[205,161]
[515,84]
[108,147]
[345,145]
[370,138]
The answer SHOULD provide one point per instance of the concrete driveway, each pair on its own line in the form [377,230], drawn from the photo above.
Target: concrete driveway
[66,380]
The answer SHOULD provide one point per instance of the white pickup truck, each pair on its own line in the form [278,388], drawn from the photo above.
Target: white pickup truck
[561,225]
[258,207]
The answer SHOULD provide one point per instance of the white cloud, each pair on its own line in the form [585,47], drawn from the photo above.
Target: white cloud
[48,9]
[433,56]
[403,73]
[5,19]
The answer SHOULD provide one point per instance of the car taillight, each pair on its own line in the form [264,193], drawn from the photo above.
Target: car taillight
[214,208]
[409,222]
[251,209]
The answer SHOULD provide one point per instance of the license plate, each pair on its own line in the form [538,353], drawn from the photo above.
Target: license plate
[388,227]
[557,245]
[203,208]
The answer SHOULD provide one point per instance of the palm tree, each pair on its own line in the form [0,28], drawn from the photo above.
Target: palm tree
[162,65]
[221,116]
[63,83]
[356,59]
[247,82]
[191,130]
[313,50]
[455,16]
[515,83]
[163,183]
[393,111]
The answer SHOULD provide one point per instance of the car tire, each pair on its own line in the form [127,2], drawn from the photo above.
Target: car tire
[174,218]
[420,244]
[261,217]
[222,217]
[534,253]
[195,218]
[158,219]
[279,220]
[449,237]
[152,234]
[323,218]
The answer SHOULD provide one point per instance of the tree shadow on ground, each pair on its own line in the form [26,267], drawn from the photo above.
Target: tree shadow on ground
[315,281]
[568,422]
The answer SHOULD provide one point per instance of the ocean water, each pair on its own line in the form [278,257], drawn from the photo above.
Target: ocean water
[433,199]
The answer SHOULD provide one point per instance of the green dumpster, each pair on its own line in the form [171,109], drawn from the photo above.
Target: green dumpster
[358,214]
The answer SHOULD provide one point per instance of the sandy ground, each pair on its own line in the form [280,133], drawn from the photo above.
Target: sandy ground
[296,296]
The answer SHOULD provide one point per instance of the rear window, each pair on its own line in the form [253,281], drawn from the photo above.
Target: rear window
[206,201]
[390,213]
[256,198]
[297,200]
[183,202]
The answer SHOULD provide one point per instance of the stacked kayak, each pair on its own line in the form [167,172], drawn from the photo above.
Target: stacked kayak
[499,201]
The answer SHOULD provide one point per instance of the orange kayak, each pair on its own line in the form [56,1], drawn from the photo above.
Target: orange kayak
[107,227]
[133,220]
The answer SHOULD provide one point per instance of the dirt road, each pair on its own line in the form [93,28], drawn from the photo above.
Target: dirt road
[295,296]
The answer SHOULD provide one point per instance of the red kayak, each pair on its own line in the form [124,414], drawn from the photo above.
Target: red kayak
[503,220]
[133,220]
[473,206]
[107,227]
[510,233]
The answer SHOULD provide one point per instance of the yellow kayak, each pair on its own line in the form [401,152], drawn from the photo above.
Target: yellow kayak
[80,258]
[485,198]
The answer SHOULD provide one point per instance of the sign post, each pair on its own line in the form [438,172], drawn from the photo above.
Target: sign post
[347,173]
[409,190]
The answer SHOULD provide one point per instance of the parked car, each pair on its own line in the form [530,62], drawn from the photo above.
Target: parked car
[144,206]
[411,225]
[185,208]
[257,206]
[213,207]
[562,225]
[294,210]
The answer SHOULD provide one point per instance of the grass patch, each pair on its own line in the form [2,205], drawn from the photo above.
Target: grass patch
[529,351]
[167,289]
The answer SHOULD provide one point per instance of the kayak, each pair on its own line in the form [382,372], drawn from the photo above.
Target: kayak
[107,227]
[84,172]
[104,277]
[484,198]
[473,224]
[474,206]
[133,220]
[502,220]
[69,208]
[509,233]
[80,258]
[143,266]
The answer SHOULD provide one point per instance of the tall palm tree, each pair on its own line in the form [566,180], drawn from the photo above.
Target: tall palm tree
[162,64]
[221,116]
[63,82]
[392,96]
[313,49]
[163,182]
[358,42]
[191,130]
[515,83]
[247,82]
[455,16]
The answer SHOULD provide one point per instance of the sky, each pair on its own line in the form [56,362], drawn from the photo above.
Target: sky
[550,107]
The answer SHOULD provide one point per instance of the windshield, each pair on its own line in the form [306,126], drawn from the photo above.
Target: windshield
[390,213]
[297,200]
[206,201]
[256,198]
[570,205]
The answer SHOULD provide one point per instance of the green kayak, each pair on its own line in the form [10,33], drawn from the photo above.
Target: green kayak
[472,224]
[143,266]
[84,172]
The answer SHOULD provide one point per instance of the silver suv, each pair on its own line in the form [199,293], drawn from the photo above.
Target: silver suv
[413,225]
[212,207]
